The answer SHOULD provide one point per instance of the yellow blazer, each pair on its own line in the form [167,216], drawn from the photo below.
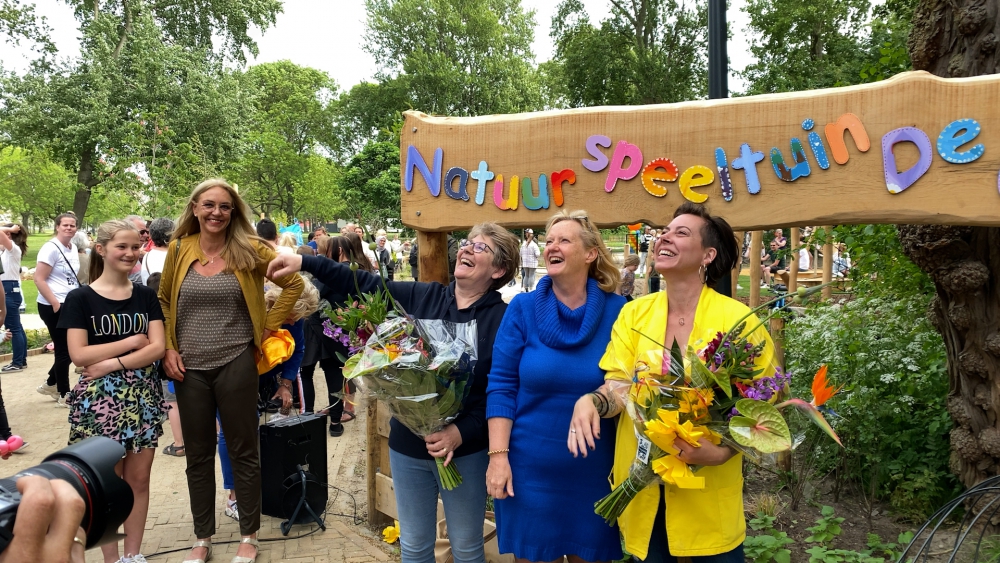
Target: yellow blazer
[700,522]
[179,259]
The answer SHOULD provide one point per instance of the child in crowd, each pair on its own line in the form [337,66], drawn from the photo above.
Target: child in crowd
[277,383]
[115,333]
[627,286]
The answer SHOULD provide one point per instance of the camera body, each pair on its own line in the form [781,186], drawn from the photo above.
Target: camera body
[89,466]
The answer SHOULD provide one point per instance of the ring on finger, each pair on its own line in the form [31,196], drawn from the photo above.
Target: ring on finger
[80,541]
[573,430]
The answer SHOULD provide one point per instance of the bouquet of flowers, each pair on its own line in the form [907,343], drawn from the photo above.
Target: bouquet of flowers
[421,369]
[717,394]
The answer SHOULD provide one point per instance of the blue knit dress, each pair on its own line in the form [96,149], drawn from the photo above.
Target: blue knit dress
[545,357]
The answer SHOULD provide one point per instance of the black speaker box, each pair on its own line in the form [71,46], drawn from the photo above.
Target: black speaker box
[284,445]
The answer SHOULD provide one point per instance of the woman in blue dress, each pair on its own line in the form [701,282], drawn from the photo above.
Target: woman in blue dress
[546,353]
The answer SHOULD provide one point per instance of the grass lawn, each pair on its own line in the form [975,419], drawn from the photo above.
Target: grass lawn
[30,297]
[35,241]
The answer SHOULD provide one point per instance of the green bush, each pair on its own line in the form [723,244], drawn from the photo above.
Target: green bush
[36,339]
[891,412]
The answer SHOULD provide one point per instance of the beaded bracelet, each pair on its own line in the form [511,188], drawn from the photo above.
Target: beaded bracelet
[503,451]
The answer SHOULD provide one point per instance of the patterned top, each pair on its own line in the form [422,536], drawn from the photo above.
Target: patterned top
[628,282]
[213,321]
[529,254]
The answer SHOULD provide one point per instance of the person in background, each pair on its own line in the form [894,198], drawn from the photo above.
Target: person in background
[13,245]
[385,262]
[5,431]
[55,276]
[543,498]
[652,276]
[627,286]
[212,295]
[159,234]
[776,264]
[397,253]
[841,261]
[414,260]
[268,232]
[82,242]
[529,261]
[645,237]
[119,394]
[805,260]
[287,243]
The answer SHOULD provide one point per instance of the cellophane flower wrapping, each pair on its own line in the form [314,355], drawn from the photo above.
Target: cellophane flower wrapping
[421,369]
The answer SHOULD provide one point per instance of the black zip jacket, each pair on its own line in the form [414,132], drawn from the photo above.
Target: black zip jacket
[430,301]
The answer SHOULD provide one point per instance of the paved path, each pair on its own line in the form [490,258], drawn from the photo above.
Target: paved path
[36,418]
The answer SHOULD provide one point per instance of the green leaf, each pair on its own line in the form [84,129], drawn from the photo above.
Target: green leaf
[783,556]
[761,427]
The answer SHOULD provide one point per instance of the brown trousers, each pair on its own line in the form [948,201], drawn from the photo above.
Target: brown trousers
[232,390]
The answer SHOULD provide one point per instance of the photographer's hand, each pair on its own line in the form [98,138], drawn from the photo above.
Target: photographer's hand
[48,523]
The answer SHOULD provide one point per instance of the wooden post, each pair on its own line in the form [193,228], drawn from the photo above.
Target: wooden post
[756,241]
[433,252]
[828,262]
[374,455]
[739,262]
[793,261]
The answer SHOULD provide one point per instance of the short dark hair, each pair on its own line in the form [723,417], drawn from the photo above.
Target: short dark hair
[266,230]
[717,234]
[311,237]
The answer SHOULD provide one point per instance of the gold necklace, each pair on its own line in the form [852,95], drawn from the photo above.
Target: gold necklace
[211,259]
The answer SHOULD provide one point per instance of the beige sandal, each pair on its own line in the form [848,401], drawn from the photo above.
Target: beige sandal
[255,544]
[197,544]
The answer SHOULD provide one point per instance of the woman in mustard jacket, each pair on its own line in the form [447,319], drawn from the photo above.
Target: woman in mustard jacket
[212,296]
[666,522]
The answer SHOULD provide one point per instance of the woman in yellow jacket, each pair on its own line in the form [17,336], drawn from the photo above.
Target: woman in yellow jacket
[666,522]
[212,296]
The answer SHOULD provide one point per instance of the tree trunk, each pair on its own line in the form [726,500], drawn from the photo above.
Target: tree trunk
[955,38]
[85,181]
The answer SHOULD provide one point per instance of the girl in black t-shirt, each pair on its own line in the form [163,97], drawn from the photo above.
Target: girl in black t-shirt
[115,332]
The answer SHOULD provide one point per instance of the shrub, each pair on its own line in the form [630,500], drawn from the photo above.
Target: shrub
[891,412]
[36,339]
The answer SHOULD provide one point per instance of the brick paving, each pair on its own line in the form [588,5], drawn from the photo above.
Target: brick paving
[36,418]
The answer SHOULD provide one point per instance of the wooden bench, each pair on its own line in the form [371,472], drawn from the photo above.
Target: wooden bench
[812,278]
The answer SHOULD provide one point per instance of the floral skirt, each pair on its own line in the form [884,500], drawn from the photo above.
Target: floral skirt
[125,405]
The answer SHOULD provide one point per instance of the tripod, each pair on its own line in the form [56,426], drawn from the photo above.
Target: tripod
[286,526]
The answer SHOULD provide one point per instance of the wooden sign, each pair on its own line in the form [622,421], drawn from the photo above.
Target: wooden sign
[912,149]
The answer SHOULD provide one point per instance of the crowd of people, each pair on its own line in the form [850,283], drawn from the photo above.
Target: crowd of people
[169,327]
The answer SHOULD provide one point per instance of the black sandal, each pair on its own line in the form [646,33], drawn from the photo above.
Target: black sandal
[174,450]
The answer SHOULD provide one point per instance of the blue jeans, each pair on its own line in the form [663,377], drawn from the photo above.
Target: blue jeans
[227,465]
[13,323]
[417,486]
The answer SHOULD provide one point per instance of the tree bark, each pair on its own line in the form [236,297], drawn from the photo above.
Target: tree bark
[955,38]
[85,181]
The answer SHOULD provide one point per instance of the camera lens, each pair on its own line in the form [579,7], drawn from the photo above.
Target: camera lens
[89,466]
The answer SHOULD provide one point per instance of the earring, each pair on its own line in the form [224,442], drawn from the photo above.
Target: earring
[703,273]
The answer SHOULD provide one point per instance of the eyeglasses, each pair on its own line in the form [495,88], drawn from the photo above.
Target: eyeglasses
[477,247]
[144,232]
[223,208]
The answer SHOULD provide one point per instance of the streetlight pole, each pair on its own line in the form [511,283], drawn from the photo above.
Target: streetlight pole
[718,87]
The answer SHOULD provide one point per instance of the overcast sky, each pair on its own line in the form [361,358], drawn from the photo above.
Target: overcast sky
[328,34]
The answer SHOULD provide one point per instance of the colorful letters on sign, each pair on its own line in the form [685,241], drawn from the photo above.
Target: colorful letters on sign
[956,134]
[896,181]
[955,144]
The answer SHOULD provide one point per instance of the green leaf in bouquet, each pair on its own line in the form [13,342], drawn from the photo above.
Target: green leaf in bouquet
[705,378]
[760,427]
[677,373]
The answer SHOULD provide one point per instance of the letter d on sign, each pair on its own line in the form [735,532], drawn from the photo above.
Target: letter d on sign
[896,181]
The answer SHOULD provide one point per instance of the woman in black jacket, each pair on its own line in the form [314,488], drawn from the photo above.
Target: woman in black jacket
[485,263]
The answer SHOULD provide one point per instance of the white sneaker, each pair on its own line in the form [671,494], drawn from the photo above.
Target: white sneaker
[61,401]
[137,558]
[50,390]
[763,286]
[232,510]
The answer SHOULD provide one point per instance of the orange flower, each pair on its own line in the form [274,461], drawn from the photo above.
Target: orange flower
[821,389]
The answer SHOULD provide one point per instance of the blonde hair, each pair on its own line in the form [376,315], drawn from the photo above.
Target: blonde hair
[506,251]
[288,239]
[105,233]
[603,268]
[305,305]
[631,260]
[239,252]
